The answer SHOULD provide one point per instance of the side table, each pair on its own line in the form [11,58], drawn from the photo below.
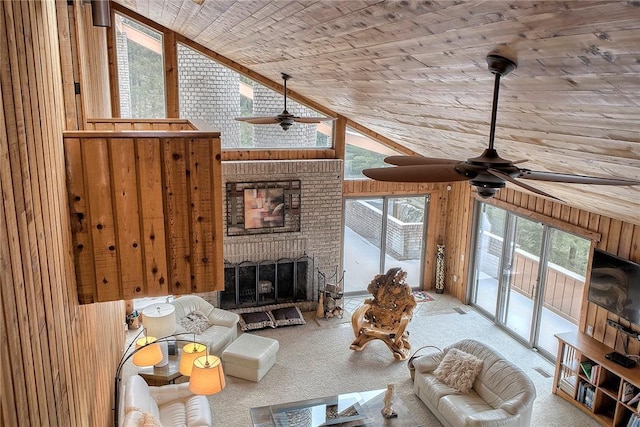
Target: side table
[165,375]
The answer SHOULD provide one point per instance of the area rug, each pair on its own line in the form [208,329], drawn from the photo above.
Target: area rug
[422,296]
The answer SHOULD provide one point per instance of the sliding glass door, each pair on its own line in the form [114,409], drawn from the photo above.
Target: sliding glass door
[521,275]
[381,233]
[527,276]
[488,258]
[563,276]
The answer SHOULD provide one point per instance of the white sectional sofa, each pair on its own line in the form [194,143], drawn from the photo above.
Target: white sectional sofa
[222,328]
[501,395]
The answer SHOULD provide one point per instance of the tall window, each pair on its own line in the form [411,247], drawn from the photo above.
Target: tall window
[363,152]
[139,53]
[215,94]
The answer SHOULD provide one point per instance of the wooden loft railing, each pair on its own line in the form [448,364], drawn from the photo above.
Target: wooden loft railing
[145,199]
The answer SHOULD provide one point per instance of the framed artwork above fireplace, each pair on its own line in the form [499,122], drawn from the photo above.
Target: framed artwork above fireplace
[263,207]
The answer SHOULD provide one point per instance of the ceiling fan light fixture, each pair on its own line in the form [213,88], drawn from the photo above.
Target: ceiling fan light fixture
[500,65]
[284,119]
[486,192]
[488,172]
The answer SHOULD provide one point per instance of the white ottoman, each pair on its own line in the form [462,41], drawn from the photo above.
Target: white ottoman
[250,357]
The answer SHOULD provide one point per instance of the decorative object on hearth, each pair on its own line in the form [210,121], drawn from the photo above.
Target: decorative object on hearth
[387,410]
[487,173]
[320,309]
[440,269]
[385,316]
[284,119]
[332,295]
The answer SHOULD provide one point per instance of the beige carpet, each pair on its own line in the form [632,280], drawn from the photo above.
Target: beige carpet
[315,360]
[328,323]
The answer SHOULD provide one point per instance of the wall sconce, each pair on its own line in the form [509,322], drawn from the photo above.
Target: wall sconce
[100,12]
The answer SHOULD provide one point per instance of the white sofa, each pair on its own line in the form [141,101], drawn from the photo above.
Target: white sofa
[501,395]
[168,406]
[223,324]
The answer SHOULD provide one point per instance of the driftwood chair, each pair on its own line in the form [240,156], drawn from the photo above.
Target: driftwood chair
[385,316]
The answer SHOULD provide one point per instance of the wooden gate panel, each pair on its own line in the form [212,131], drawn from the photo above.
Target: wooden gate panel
[146,209]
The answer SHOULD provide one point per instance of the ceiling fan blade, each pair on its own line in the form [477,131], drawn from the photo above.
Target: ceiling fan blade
[259,120]
[418,160]
[574,179]
[313,119]
[508,177]
[416,173]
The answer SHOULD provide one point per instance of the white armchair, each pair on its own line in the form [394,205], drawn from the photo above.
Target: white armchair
[221,328]
[170,405]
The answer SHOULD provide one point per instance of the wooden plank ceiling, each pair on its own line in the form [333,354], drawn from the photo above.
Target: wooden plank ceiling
[415,72]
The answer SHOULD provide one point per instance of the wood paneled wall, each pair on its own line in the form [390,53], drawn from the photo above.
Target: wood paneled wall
[457,232]
[146,209]
[58,358]
[614,236]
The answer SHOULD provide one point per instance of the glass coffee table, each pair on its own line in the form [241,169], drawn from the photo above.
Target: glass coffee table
[344,410]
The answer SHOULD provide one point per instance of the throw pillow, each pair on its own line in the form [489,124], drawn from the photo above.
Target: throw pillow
[458,370]
[141,419]
[288,316]
[256,320]
[195,322]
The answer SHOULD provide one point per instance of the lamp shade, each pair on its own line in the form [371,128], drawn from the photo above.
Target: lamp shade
[207,376]
[159,319]
[190,353]
[147,352]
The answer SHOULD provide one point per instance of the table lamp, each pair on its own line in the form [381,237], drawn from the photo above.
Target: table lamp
[160,321]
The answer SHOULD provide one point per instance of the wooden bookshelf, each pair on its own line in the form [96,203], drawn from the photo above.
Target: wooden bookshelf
[593,383]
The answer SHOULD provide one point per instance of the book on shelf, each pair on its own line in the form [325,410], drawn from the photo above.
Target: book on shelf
[634,420]
[580,394]
[586,369]
[588,396]
[628,391]
[634,400]
[595,374]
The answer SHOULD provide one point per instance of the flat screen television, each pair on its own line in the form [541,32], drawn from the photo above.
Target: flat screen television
[615,285]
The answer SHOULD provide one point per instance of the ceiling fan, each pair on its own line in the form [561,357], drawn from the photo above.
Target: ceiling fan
[488,172]
[284,119]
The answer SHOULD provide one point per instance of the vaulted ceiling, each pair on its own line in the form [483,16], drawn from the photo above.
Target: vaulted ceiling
[415,72]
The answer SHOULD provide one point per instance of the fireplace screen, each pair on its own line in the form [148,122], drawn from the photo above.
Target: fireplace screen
[252,284]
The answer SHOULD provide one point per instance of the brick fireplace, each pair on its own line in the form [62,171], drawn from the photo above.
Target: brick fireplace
[319,238]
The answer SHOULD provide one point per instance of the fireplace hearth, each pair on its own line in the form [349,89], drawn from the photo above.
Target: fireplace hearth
[254,284]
